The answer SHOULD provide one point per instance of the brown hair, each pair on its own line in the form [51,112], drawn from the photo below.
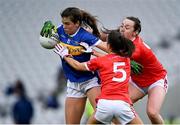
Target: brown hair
[75,15]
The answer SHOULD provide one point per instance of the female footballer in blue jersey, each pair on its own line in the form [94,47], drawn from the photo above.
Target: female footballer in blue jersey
[80,85]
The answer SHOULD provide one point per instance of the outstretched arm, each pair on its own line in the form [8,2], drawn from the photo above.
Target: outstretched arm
[75,64]
[97,53]
[103,46]
[63,53]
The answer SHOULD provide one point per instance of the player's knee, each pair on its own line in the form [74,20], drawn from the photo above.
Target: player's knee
[152,113]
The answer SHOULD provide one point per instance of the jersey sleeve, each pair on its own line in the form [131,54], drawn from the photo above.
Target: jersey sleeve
[92,64]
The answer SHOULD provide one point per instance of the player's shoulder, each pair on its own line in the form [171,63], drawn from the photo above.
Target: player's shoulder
[60,27]
[103,59]
[85,33]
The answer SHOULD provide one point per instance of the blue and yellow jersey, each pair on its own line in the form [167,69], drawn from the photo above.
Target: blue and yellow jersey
[80,36]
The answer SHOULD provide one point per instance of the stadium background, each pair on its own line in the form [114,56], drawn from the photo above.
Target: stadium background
[21,55]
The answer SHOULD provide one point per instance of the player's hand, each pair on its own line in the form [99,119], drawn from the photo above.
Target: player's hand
[87,48]
[61,51]
[136,68]
[47,29]
[83,44]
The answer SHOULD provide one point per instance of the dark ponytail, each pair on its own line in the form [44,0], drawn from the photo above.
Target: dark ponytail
[90,20]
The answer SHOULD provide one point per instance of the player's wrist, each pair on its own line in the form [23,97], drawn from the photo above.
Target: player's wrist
[65,53]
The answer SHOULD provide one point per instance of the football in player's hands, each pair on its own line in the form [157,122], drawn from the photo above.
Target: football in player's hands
[48,43]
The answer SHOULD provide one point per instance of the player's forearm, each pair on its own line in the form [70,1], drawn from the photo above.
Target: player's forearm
[97,54]
[75,64]
[103,46]
[103,36]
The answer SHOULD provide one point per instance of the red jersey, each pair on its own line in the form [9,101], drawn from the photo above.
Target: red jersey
[114,72]
[152,68]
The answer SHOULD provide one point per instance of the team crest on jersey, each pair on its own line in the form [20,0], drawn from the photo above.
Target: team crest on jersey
[68,41]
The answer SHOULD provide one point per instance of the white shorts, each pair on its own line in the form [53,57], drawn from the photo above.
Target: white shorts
[78,90]
[162,82]
[108,109]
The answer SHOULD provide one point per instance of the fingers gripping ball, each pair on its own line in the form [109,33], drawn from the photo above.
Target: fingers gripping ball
[48,29]
[49,43]
[48,37]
